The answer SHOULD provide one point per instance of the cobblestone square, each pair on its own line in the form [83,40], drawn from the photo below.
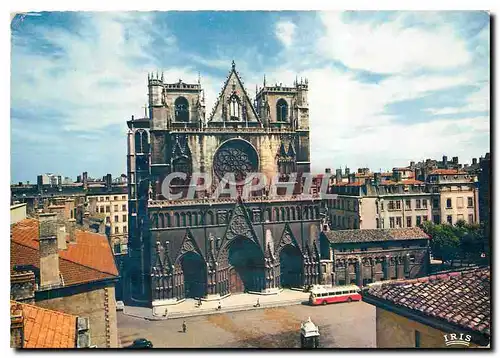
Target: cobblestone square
[345,325]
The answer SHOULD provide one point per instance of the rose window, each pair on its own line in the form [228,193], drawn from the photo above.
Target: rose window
[235,156]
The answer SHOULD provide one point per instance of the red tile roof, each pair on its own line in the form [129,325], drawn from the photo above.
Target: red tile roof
[459,298]
[447,172]
[89,259]
[403,182]
[44,328]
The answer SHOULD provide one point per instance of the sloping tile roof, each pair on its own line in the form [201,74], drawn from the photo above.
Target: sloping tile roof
[374,235]
[44,328]
[89,259]
[460,298]
[403,182]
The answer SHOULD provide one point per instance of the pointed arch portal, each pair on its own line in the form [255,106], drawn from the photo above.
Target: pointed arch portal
[246,266]
[291,267]
[195,275]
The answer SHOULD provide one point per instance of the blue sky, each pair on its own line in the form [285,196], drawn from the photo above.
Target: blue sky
[385,87]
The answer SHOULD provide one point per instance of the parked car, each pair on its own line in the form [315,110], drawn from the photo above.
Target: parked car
[120,306]
[141,343]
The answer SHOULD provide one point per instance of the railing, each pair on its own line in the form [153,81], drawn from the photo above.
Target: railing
[201,201]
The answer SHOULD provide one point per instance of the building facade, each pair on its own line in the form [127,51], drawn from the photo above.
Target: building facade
[206,247]
[361,257]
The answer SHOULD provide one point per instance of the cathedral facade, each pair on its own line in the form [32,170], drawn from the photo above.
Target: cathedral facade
[207,247]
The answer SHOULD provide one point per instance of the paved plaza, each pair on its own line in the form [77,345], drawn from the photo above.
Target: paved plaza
[344,325]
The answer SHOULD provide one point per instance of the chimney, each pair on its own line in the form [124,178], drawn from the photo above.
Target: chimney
[39,183]
[108,181]
[455,160]
[347,171]
[61,238]
[49,255]
[474,161]
[352,178]
[71,230]
[445,160]
[412,164]
[85,180]
[16,326]
[376,177]
[22,286]
[328,170]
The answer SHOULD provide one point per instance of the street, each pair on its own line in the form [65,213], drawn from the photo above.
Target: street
[344,325]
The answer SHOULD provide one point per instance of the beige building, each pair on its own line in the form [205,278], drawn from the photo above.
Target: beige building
[454,196]
[113,209]
[17,213]
[447,197]
[434,311]
[389,204]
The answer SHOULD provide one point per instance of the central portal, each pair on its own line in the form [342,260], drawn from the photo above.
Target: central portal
[246,262]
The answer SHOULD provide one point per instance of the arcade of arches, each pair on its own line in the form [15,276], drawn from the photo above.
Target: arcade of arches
[241,266]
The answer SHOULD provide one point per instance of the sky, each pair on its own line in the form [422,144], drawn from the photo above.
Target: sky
[385,88]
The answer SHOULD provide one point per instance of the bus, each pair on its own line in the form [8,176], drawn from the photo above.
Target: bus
[323,295]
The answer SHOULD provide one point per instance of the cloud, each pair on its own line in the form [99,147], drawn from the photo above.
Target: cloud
[391,47]
[285,31]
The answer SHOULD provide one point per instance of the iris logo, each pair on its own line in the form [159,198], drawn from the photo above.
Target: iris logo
[455,339]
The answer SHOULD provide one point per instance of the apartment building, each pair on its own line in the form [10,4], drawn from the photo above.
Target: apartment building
[112,207]
[454,196]
[377,204]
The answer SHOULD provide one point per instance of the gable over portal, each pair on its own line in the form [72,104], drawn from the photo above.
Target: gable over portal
[233,104]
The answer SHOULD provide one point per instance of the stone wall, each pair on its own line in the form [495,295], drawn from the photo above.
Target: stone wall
[99,306]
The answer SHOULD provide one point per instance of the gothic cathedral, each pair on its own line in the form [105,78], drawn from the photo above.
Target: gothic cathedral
[206,247]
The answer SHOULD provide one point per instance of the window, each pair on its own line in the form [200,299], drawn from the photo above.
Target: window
[399,221]
[425,218]
[408,204]
[181,109]
[107,209]
[107,220]
[117,248]
[449,219]
[408,221]
[124,218]
[117,230]
[124,197]
[436,219]
[460,203]
[417,203]
[398,205]
[364,249]
[471,218]
[391,205]
[115,208]
[424,203]
[417,339]
[378,223]
[116,218]
[234,107]
[470,202]
[115,198]
[125,229]
[382,206]
[435,203]
[419,220]
[460,217]
[448,203]
[107,198]
[281,110]
[124,207]
[391,223]
[101,209]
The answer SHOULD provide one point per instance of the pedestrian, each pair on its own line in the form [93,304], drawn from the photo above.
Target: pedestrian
[258,303]
[184,327]
[219,307]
